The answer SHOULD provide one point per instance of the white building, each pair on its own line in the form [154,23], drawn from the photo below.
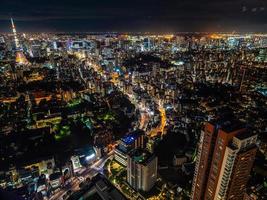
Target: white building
[141,169]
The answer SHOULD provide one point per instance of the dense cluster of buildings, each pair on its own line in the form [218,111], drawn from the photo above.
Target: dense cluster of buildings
[90,98]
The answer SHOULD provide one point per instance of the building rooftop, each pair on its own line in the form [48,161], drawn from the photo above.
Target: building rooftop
[245,134]
[141,156]
[131,137]
[262,91]
[228,123]
[99,188]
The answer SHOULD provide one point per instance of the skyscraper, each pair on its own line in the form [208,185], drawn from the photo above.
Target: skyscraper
[147,44]
[2,40]
[141,169]
[225,157]
[133,140]
[36,51]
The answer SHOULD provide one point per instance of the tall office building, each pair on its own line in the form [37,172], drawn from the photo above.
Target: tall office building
[2,40]
[141,169]
[147,44]
[36,51]
[225,157]
[133,140]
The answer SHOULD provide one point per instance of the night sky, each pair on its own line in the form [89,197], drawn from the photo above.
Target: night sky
[135,15]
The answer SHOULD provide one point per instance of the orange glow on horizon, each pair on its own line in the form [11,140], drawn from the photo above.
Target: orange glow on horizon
[216,36]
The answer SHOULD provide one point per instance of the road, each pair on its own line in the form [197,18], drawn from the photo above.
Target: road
[145,116]
[160,128]
[89,172]
[144,119]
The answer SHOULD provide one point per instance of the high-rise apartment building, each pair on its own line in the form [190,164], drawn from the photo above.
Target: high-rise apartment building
[225,157]
[141,169]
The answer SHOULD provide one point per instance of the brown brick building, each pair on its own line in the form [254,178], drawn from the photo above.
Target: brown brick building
[225,156]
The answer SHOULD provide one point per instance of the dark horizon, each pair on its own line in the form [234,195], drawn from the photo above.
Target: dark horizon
[138,16]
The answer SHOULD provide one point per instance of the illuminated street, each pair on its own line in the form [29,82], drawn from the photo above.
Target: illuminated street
[86,173]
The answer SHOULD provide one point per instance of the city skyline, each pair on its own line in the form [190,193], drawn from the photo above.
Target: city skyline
[133,115]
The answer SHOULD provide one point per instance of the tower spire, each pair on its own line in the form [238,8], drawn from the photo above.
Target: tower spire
[20,57]
[15,34]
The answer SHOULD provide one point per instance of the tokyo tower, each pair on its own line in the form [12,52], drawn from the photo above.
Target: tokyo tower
[20,57]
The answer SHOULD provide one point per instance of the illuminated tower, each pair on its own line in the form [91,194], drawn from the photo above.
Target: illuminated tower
[20,57]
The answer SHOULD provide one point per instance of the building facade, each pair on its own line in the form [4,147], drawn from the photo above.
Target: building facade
[141,169]
[225,157]
[133,140]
